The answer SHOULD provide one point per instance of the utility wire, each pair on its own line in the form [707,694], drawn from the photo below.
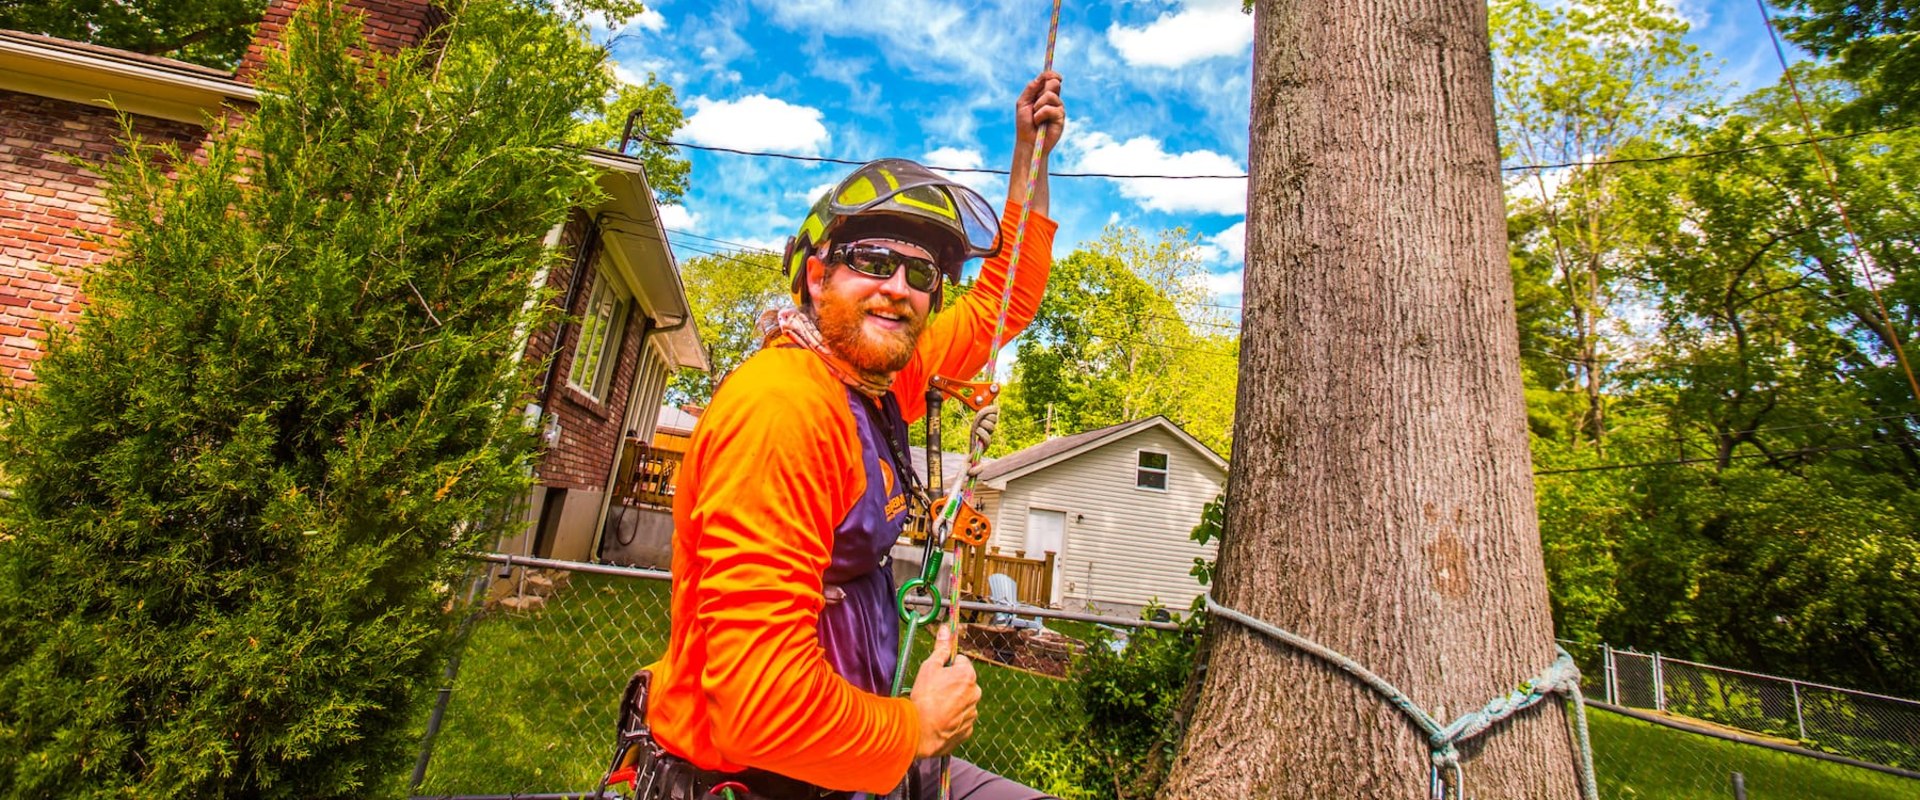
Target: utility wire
[744,247]
[1810,141]
[1706,459]
[1112,339]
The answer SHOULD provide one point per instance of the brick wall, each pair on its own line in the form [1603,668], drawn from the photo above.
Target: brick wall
[389,25]
[54,224]
[54,221]
[589,429]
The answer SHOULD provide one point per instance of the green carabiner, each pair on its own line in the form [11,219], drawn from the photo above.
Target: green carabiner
[925,583]
[907,615]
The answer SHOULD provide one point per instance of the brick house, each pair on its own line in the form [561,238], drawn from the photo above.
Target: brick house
[628,326]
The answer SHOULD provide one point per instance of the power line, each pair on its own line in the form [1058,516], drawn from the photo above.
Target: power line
[973,170]
[1693,154]
[1812,141]
[751,248]
[1846,220]
[1706,459]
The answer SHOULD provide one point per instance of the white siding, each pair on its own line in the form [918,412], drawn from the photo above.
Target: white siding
[1126,546]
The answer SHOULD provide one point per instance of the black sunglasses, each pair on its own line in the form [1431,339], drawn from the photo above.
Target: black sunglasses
[880,261]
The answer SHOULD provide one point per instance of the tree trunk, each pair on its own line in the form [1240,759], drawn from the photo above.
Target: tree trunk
[1380,500]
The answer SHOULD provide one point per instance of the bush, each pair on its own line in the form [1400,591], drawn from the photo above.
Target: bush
[1122,722]
[246,478]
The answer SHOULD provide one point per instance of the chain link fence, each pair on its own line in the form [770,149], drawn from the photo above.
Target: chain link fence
[529,704]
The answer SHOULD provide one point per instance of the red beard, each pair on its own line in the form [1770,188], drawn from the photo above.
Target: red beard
[864,341]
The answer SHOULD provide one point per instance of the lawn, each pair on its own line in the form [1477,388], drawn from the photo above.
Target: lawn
[1636,759]
[532,711]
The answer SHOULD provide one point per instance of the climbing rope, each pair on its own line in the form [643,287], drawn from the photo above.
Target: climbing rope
[947,511]
[1560,677]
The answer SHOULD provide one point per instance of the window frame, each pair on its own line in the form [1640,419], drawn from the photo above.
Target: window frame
[1140,469]
[605,334]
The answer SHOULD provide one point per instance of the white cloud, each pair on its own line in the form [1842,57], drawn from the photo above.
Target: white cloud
[949,42]
[1207,253]
[1099,152]
[677,218]
[774,245]
[629,76]
[755,122]
[1232,242]
[1227,283]
[985,183]
[1203,29]
[811,194]
[601,28]
[955,157]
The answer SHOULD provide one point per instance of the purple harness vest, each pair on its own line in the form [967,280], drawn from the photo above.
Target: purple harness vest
[859,627]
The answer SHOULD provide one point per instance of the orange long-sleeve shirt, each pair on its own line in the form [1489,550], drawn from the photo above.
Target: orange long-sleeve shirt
[774,465]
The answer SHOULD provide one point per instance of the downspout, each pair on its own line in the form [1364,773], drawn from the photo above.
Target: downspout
[627,422]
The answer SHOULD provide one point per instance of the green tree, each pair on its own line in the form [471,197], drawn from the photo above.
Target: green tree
[1873,42]
[1768,363]
[244,483]
[728,292]
[214,33]
[1580,84]
[1124,333]
[655,114]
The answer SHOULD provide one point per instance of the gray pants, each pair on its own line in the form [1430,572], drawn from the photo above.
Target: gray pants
[969,783]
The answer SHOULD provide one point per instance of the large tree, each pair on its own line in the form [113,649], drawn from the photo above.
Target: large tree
[1379,500]
[728,290]
[210,32]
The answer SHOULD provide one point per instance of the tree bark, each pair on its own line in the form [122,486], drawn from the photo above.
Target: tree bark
[1380,500]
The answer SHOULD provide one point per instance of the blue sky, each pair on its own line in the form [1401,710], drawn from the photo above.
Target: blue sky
[1152,86]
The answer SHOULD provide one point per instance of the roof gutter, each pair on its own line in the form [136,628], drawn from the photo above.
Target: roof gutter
[41,65]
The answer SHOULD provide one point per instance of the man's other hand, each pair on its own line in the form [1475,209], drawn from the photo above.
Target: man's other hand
[947,697]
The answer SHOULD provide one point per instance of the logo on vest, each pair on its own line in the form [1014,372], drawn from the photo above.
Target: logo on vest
[896,503]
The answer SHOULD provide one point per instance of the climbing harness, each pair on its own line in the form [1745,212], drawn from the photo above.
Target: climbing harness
[1560,677]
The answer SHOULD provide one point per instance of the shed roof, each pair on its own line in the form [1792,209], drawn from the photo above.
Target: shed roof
[1065,447]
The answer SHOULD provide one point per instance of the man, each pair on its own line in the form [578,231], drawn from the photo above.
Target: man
[795,487]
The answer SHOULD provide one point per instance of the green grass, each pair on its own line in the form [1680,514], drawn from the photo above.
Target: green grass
[533,708]
[1636,759]
[534,703]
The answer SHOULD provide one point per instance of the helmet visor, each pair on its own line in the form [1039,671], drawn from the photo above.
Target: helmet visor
[925,196]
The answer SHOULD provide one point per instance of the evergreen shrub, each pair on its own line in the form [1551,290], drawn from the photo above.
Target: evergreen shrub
[243,486]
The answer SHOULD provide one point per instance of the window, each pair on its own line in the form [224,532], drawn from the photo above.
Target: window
[1152,471]
[602,325]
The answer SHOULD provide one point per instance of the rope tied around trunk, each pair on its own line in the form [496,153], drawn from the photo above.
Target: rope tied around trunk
[1561,677]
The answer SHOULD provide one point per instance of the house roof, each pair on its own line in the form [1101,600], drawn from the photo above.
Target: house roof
[1053,451]
[636,238]
[952,465]
[90,74]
